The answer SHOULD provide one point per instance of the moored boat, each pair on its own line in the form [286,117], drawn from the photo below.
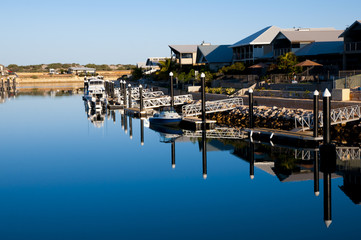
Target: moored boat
[166,117]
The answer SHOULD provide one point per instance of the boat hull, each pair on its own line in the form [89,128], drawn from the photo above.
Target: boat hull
[165,121]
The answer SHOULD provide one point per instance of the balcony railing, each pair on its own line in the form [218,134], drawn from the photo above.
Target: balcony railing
[353,47]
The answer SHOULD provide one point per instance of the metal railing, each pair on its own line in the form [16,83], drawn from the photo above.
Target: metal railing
[226,133]
[342,153]
[166,100]
[211,106]
[338,115]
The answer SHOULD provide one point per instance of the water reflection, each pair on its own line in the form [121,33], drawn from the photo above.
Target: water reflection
[286,163]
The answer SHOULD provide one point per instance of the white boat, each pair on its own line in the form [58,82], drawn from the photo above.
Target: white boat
[94,92]
[167,117]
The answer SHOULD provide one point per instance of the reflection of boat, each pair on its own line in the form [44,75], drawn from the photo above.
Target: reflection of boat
[166,117]
[94,92]
[96,116]
[167,133]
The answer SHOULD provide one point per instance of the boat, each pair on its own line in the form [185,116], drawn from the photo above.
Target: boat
[94,92]
[166,117]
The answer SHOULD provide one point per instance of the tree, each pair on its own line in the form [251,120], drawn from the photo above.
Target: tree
[137,73]
[236,68]
[286,62]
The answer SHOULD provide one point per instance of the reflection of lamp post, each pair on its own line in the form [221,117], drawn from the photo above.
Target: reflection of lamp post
[171,90]
[173,154]
[316,174]
[141,132]
[251,160]
[204,151]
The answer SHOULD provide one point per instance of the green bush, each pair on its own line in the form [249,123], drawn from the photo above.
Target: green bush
[230,91]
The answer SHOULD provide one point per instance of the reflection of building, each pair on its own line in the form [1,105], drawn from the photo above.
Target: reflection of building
[351,172]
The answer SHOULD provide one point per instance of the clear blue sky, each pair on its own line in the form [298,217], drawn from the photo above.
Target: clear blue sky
[112,32]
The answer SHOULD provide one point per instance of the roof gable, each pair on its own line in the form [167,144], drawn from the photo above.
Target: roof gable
[311,36]
[264,36]
[319,48]
[184,48]
[214,54]
[355,24]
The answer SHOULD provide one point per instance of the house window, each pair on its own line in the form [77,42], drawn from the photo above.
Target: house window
[186,55]
[296,45]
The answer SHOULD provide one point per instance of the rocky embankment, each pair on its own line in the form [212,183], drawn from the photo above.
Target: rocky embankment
[268,117]
[284,118]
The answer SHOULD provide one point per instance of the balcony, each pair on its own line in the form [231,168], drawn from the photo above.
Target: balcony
[352,47]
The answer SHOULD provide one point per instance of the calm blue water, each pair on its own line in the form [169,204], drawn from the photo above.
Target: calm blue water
[61,177]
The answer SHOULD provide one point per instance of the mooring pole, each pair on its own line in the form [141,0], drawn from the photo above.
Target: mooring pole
[315,113]
[130,95]
[203,98]
[171,90]
[141,99]
[250,98]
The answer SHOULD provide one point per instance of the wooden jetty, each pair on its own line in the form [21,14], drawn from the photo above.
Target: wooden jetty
[194,123]
[135,112]
[277,134]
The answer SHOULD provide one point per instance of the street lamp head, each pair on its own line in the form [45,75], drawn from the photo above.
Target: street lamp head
[129,85]
[171,74]
[326,93]
[203,75]
[250,90]
[316,93]
[140,86]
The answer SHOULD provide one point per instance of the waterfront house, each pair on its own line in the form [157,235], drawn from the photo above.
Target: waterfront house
[255,46]
[295,39]
[352,46]
[184,54]
[214,56]
[3,70]
[153,64]
[81,70]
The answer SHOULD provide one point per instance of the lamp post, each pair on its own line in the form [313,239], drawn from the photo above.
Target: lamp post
[130,95]
[124,94]
[315,113]
[141,98]
[203,98]
[171,90]
[250,92]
